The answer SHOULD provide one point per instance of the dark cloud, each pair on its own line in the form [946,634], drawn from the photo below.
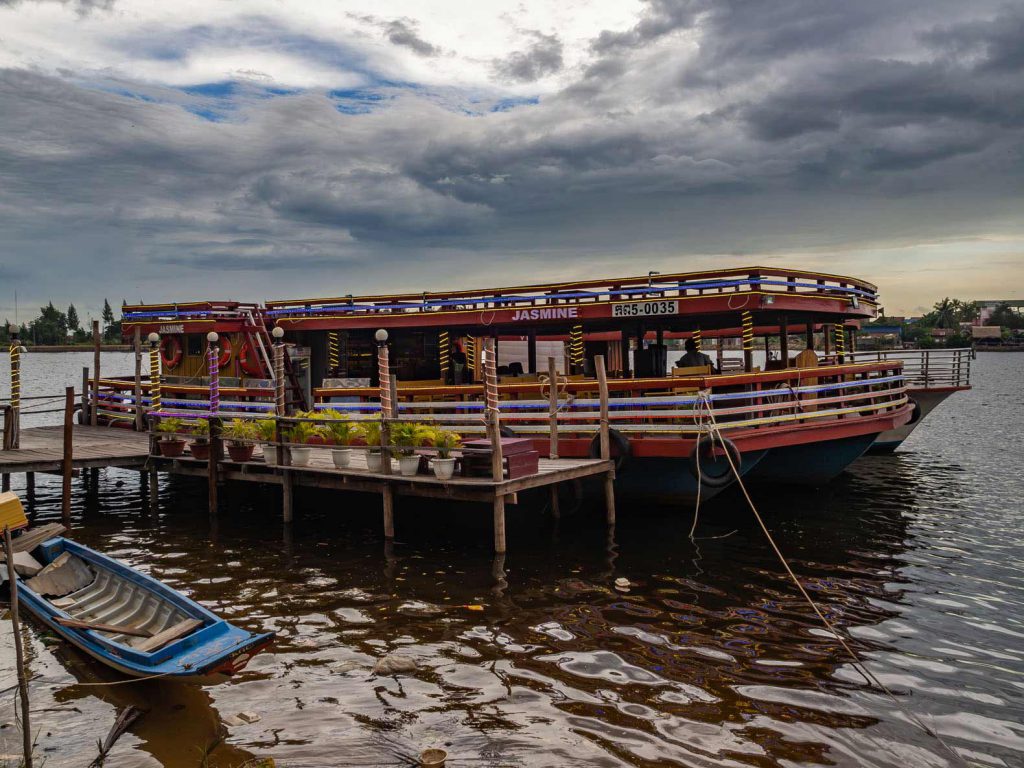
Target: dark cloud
[403,32]
[707,127]
[543,57]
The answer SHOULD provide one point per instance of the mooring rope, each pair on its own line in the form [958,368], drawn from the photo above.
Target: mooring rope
[869,677]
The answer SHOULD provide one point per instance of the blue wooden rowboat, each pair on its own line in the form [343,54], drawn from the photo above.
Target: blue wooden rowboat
[129,621]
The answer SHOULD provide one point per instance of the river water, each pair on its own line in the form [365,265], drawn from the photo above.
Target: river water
[710,659]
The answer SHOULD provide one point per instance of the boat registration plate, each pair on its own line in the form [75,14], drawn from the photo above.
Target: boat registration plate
[645,308]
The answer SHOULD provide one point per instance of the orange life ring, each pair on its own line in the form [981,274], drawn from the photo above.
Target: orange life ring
[170,351]
[225,351]
[249,360]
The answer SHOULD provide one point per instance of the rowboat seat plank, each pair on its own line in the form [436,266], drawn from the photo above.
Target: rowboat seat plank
[101,627]
[64,575]
[170,634]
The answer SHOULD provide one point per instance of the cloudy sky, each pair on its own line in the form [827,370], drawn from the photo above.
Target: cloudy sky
[259,149]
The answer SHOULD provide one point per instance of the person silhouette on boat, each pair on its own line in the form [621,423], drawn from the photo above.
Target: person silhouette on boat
[695,358]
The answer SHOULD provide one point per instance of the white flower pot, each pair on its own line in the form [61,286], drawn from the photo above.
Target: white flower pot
[300,456]
[409,465]
[270,455]
[342,457]
[374,461]
[444,468]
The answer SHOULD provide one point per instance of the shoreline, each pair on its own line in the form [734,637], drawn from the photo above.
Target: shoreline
[80,348]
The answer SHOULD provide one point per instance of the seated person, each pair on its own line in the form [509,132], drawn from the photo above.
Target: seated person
[695,359]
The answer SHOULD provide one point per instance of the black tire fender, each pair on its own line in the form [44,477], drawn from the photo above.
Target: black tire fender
[619,441]
[707,445]
[915,415]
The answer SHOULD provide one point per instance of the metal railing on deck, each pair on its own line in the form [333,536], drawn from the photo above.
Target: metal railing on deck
[925,368]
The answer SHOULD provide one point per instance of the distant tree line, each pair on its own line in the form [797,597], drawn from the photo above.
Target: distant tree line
[951,315]
[54,327]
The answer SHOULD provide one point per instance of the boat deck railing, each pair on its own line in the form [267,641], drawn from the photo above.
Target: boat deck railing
[926,368]
[651,287]
[654,407]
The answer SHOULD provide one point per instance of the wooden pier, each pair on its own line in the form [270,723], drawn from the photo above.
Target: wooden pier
[70,447]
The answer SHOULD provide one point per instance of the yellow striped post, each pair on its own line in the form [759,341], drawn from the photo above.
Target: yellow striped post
[697,340]
[470,346]
[748,341]
[839,335]
[15,413]
[332,350]
[444,354]
[576,346]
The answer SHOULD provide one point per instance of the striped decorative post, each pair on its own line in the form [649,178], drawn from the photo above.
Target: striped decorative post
[280,406]
[444,354]
[387,407]
[470,346]
[839,334]
[332,351]
[698,340]
[213,359]
[154,373]
[15,352]
[576,349]
[748,341]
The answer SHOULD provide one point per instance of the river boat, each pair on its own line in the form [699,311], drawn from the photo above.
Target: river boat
[792,419]
[121,617]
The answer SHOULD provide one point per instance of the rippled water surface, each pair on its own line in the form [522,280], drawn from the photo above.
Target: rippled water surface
[538,659]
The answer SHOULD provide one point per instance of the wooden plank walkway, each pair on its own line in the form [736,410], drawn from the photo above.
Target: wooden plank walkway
[42,449]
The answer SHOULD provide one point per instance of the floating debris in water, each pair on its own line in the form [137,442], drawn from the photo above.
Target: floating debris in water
[393,664]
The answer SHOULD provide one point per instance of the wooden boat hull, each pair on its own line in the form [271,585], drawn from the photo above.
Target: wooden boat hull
[214,650]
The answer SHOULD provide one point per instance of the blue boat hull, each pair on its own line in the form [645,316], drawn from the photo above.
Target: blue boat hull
[670,481]
[812,464]
[214,650]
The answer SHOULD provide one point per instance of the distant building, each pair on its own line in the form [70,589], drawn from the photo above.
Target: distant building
[987,307]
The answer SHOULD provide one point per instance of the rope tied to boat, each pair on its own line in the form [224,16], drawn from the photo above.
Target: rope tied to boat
[858,664]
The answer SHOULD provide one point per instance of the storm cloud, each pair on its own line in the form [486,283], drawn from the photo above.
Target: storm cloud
[698,133]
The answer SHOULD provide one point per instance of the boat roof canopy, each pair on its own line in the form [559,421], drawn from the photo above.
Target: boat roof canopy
[710,299]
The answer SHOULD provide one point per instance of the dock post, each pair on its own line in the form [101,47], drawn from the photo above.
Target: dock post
[388,494]
[216,425]
[605,439]
[5,483]
[30,487]
[95,372]
[493,416]
[66,465]
[387,404]
[19,652]
[137,391]
[85,394]
[552,408]
[14,414]
[499,524]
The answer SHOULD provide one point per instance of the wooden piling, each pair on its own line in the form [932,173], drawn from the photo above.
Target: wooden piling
[66,466]
[499,524]
[85,393]
[137,392]
[388,497]
[216,425]
[95,371]
[552,408]
[605,439]
[19,652]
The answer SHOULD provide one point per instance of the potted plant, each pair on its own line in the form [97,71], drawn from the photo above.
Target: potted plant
[171,444]
[342,433]
[321,435]
[239,434]
[374,457]
[301,432]
[200,445]
[265,434]
[444,443]
[406,437]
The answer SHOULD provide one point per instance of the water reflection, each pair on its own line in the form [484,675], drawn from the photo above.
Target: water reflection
[705,655]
